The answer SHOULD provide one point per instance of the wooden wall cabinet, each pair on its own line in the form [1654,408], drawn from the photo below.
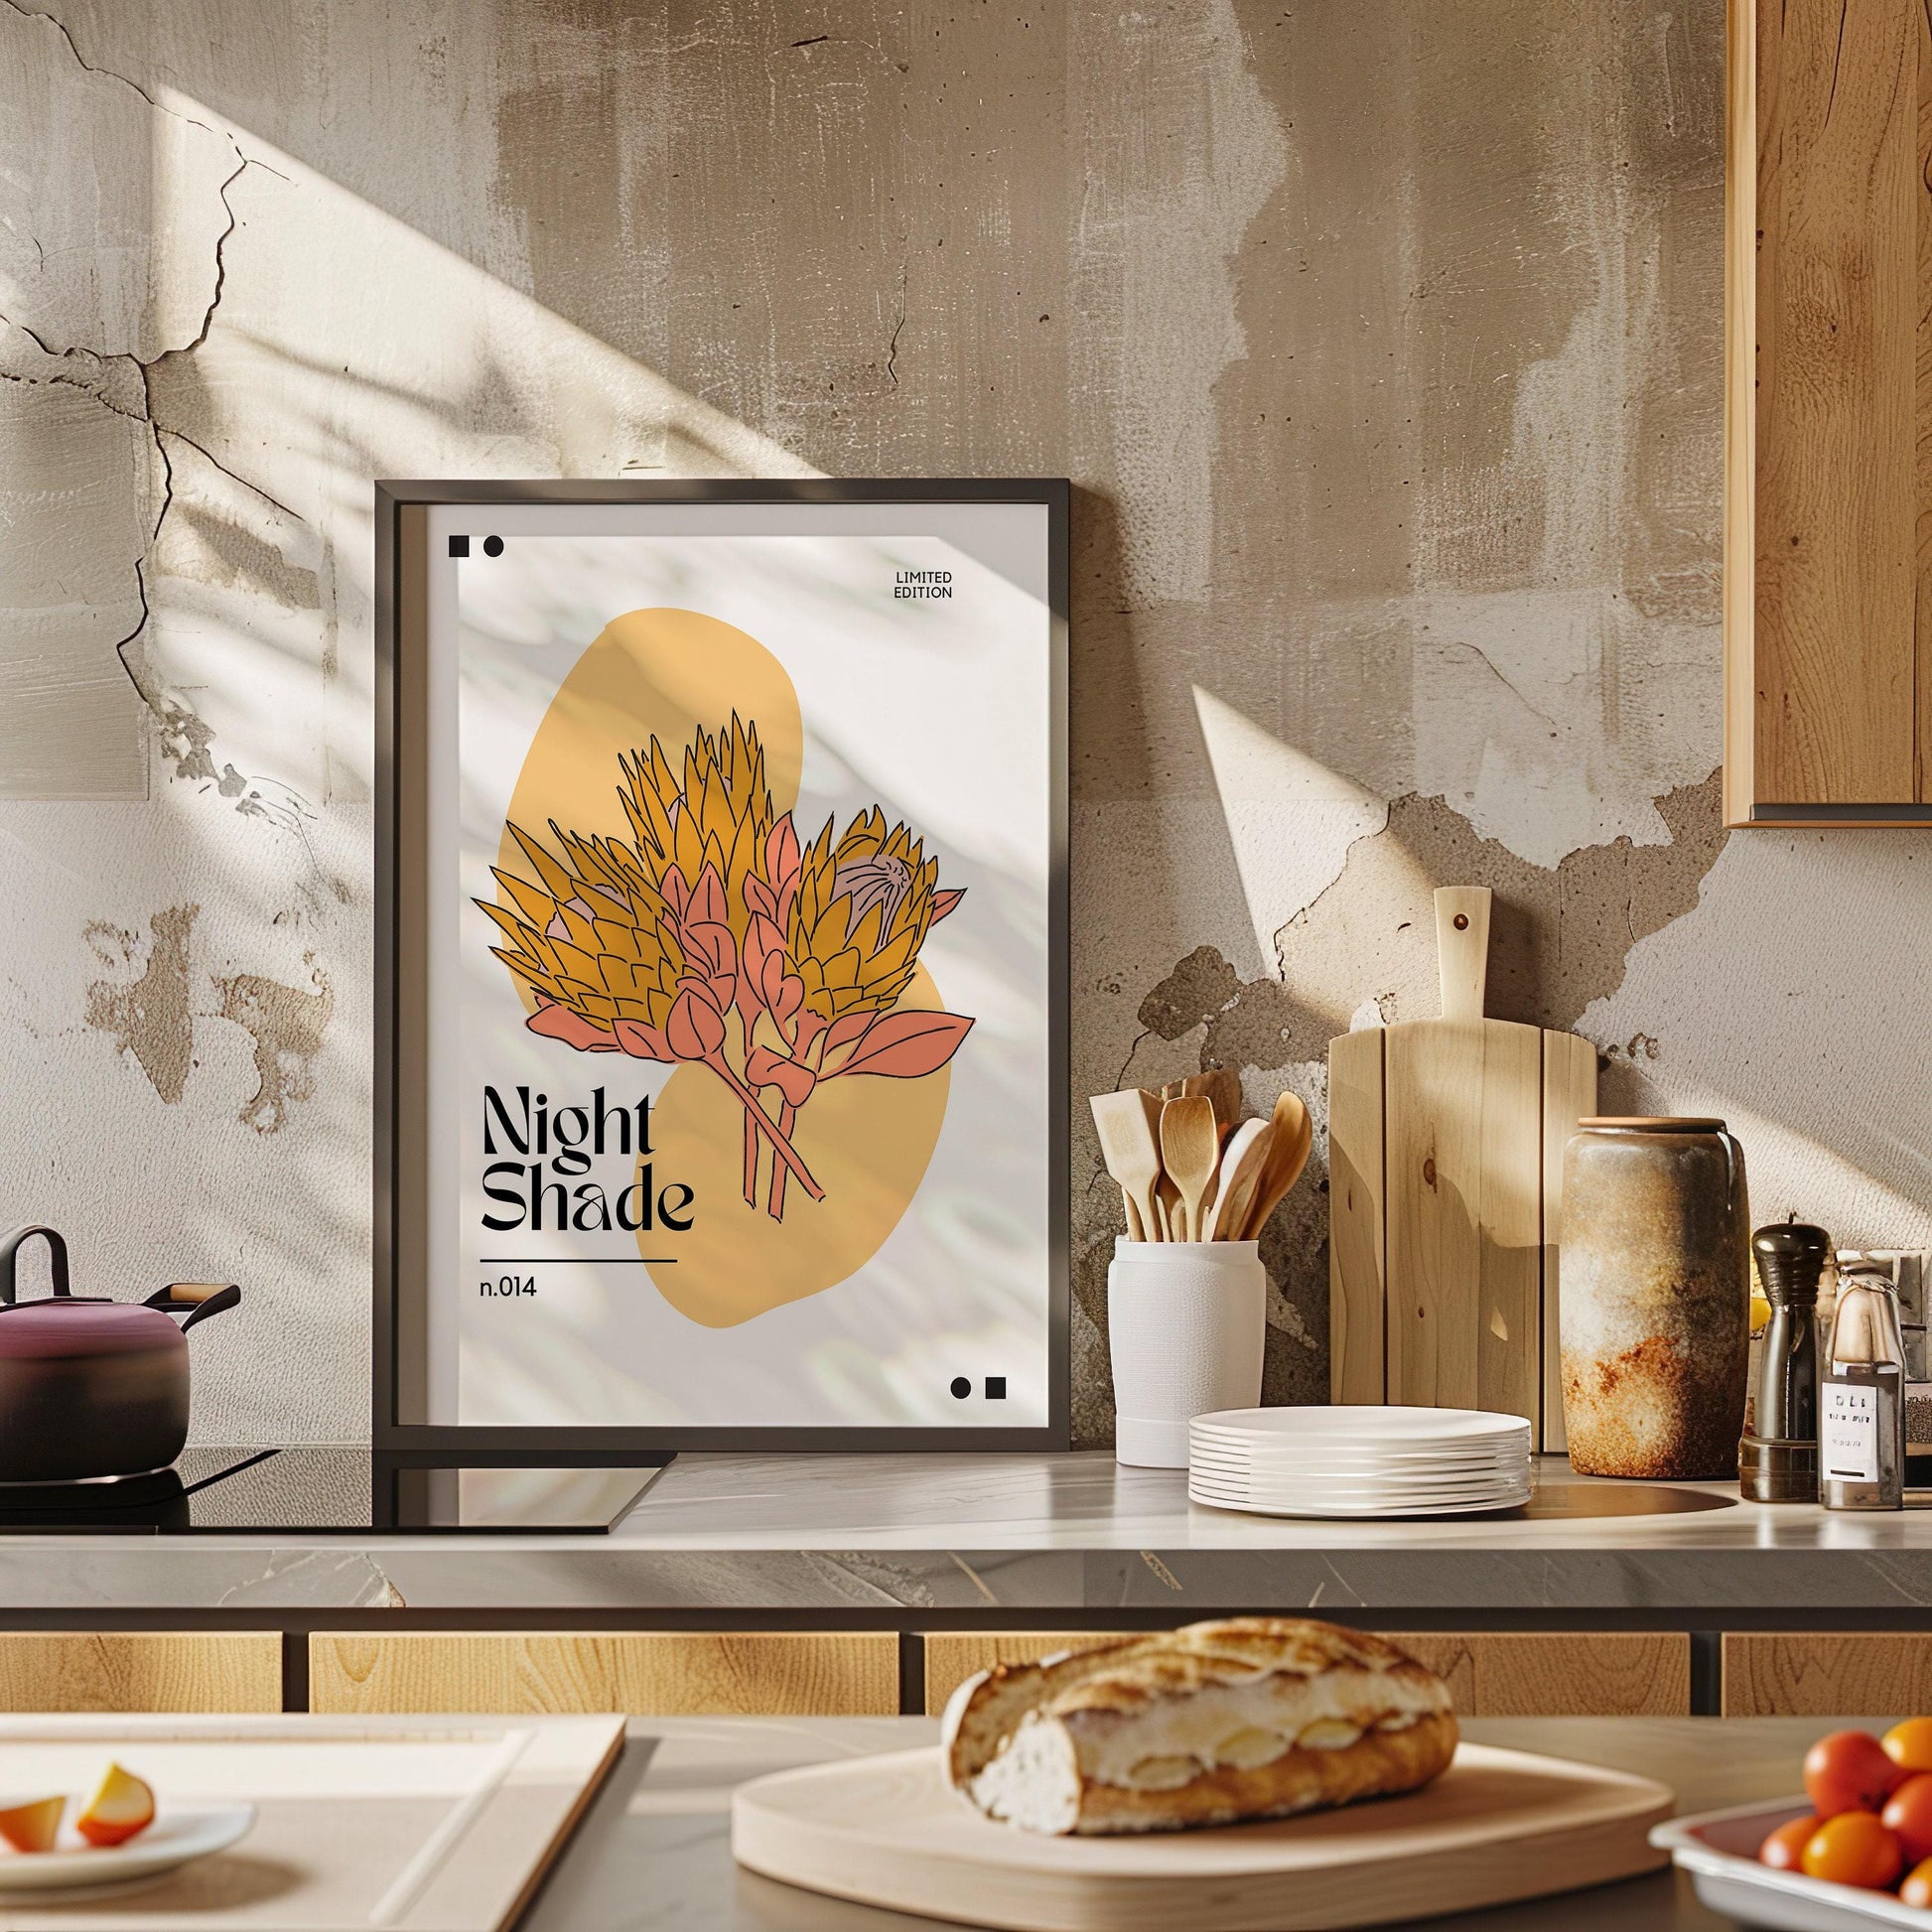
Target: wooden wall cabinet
[1827,405]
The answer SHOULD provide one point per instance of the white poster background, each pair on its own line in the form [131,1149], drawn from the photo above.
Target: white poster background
[937,711]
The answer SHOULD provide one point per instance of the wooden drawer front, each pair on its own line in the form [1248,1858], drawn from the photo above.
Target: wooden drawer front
[1826,1674]
[667,1674]
[143,1670]
[1490,1673]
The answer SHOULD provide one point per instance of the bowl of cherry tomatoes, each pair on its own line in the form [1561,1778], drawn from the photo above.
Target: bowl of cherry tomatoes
[1856,1853]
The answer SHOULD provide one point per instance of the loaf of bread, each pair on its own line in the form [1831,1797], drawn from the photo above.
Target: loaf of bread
[1246,1717]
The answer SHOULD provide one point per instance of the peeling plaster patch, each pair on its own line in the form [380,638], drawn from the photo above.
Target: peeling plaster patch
[1559,937]
[287,1024]
[151,1019]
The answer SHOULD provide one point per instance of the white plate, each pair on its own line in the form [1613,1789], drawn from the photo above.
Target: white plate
[1718,1849]
[1363,1511]
[1323,1456]
[1361,1485]
[1361,1479]
[1309,1503]
[1370,1426]
[179,1834]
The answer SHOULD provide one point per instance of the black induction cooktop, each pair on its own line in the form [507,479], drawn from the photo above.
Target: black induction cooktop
[322,1491]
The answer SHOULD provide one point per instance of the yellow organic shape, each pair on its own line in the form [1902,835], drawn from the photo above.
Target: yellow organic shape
[701,687]
[868,1141]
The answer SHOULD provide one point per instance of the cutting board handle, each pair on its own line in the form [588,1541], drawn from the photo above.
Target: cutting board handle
[1463,948]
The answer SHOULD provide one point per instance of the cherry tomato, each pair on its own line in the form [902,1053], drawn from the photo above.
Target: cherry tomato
[1852,1848]
[1786,1846]
[1908,1817]
[1909,1744]
[1849,1770]
[1917,1888]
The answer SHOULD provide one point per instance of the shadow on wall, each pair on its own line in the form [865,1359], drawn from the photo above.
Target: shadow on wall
[216,366]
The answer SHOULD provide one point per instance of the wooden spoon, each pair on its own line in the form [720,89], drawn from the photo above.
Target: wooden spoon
[1241,1163]
[1189,1151]
[1221,1086]
[1128,1126]
[1287,1156]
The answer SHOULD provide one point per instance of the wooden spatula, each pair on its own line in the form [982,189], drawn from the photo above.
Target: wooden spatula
[1190,1148]
[1241,1164]
[1222,1087]
[1288,1154]
[1127,1123]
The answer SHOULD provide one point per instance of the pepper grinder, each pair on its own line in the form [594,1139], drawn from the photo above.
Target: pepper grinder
[1861,1399]
[1778,1461]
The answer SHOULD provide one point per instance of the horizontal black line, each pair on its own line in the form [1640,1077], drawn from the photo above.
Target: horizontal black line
[580,1261]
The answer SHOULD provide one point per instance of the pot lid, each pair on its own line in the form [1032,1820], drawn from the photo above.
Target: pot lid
[71,1326]
[1656,1123]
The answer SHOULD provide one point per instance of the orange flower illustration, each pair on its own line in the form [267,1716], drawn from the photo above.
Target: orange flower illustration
[713,937]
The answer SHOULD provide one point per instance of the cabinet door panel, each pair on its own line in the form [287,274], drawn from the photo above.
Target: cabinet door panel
[1826,1674]
[1490,1673]
[141,1669]
[1838,200]
[814,1674]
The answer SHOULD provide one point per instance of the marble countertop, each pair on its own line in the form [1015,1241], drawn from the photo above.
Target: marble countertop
[653,1852]
[896,1536]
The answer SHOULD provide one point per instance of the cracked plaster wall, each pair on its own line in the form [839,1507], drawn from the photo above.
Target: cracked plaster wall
[1383,343]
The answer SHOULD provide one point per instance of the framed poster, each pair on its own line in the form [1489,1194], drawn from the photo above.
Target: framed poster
[722,925]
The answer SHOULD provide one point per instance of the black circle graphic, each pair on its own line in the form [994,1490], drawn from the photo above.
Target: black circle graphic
[492,546]
[961,1387]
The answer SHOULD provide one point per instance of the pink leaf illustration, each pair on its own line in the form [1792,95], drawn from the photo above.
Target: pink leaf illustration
[643,1042]
[943,902]
[790,996]
[766,1069]
[694,1029]
[759,899]
[708,900]
[843,1031]
[710,948]
[559,1022]
[764,956]
[906,1046]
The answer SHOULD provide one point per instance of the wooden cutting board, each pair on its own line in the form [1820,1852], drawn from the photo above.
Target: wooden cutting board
[1446,1195]
[1496,1826]
[418,1823]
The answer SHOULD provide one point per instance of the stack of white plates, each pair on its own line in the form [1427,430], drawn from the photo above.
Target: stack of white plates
[1359,1460]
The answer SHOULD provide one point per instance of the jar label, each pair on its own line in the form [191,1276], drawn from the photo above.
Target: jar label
[1848,1432]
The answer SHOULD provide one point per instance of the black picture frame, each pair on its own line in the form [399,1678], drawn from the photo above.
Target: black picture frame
[402,508]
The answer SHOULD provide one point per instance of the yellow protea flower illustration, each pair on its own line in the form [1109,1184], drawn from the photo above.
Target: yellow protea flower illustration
[710,937]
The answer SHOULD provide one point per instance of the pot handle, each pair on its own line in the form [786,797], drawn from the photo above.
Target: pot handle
[203,1299]
[57,1254]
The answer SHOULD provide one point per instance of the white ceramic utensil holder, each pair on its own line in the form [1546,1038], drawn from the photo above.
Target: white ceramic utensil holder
[1186,1321]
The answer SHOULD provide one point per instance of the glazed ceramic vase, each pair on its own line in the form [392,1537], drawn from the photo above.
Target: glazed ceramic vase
[1655,1297]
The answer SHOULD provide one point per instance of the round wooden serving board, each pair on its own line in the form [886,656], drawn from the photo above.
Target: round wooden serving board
[1496,1826]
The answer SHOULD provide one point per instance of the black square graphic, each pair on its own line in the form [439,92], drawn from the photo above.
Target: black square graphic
[996,1388]
[459,546]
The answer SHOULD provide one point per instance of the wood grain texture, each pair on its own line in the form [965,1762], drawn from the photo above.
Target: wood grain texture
[1826,1674]
[1356,1254]
[1464,1167]
[1490,1673]
[141,1670]
[1495,1825]
[823,1674]
[1742,261]
[1568,1094]
[1837,325]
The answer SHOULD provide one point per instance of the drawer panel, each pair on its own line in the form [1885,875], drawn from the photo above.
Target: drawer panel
[1490,1673]
[821,1674]
[1826,1674]
[141,1669]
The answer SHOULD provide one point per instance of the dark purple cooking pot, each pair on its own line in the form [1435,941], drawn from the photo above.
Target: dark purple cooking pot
[90,1387]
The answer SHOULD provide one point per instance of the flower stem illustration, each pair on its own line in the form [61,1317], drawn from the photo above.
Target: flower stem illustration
[713,937]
